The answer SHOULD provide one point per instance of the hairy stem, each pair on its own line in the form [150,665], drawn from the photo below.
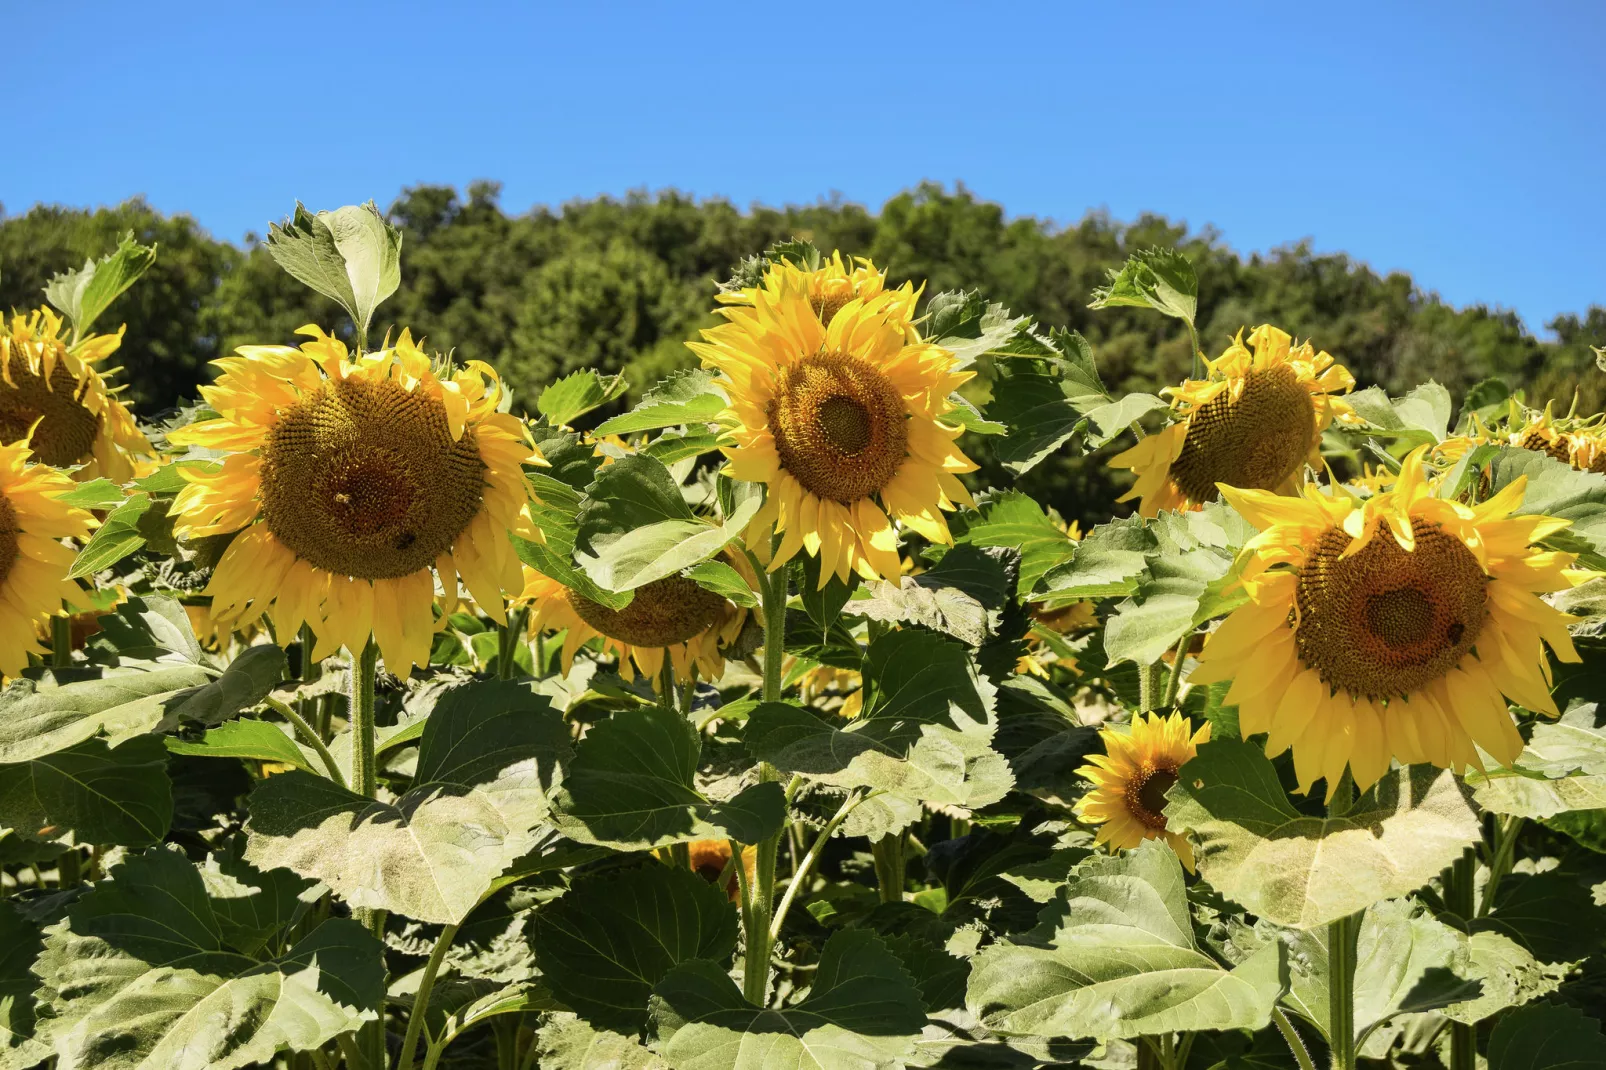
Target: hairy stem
[1291,1035]
[365,781]
[1460,897]
[310,734]
[889,867]
[1341,990]
[512,633]
[805,867]
[760,907]
[426,986]
[60,641]
[1174,683]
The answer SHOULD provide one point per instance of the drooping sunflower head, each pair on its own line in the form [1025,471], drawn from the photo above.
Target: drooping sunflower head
[1396,627]
[831,286]
[843,418]
[52,390]
[353,477]
[1131,777]
[33,560]
[673,614]
[1253,422]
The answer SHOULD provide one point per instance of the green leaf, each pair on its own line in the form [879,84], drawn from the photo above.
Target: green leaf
[1161,279]
[632,785]
[1303,871]
[489,756]
[632,492]
[570,1043]
[1561,770]
[963,596]
[940,976]
[1117,417]
[118,536]
[20,943]
[862,1011]
[351,255]
[99,493]
[246,738]
[244,682]
[924,734]
[1114,956]
[1029,400]
[1407,962]
[84,294]
[1014,521]
[1510,975]
[251,906]
[104,795]
[41,718]
[612,937]
[149,629]
[686,397]
[723,580]
[1547,1036]
[139,975]
[1108,562]
[970,326]
[1165,606]
[577,394]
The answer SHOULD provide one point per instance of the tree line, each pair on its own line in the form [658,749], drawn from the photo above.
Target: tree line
[619,285]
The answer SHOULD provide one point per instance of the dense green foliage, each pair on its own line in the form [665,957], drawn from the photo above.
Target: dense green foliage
[619,285]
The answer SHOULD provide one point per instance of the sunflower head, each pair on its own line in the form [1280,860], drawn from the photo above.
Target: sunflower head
[674,615]
[839,408]
[1395,627]
[52,395]
[710,859]
[1131,777]
[1253,422]
[350,479]
[33,560]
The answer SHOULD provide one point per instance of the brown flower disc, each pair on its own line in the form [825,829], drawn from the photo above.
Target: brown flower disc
[840,427]
[1255,442]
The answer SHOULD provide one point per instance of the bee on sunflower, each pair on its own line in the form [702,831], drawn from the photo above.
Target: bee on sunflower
[839,408]
[33,560]
[1131,777]
[1395,627]
[353,481]
[673,615]
[1254,421]
[52,394]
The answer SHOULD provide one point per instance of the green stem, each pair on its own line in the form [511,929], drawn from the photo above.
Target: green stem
[310,734]
[666,680]
[1148,686]
[540,654]
[364,774]
[680,855]
[60,641]
[1506,831]
[760,897]
[800,875]
[1460,897]
[1174,684]
[1292,1037]
[507,666]
[1198,353]
[69,869]
[1341,990]
[426,986]
[889,867]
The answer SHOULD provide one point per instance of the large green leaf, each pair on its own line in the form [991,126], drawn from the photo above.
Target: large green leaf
[104,795]
[577,394]
[558,493]
[119,535]
[686,397]
[352,255]
[1157,278]
[970,326]
[489,757]
[611,937]
[632,785]
[1547,1036]
[1304,871]
[152,628]
[1556,489]
[1510,976]
[244,682]
[962,596]
[1108,562]
[139,975]
[925,732]
[1165,606]
[1114,956]
[42,718]
[862,1012]
[83,295]
[246,738]
[1014,521]
[570,1043]
[1562,769]
[20,944]
[1406,962]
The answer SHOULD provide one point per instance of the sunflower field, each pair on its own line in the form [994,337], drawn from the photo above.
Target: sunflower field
[362,713]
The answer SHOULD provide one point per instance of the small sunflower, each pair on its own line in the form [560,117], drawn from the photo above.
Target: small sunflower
[692,623]
[709,859]
[350,478]
[839,410]
[43,381]
[1396,627]
[1131,777]
[33,560]
[1253,422]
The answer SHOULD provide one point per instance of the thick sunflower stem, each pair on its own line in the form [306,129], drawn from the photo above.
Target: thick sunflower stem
[512,634]
[1149,686]
[666,680]
[1341,990]
[889,867]
[426,986]
[365,781]
[60,641]
[1461,898]
[760,907]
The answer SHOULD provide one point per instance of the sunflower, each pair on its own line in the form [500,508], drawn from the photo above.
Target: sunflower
[710,857]
[43,381]
[1131,777]
[33,560]
[1396,627]
[1253,422]
[692,623]
[840,412]
[832,285]
[349,478]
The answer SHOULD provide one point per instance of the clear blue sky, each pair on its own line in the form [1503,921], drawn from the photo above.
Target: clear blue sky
[1462,142]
